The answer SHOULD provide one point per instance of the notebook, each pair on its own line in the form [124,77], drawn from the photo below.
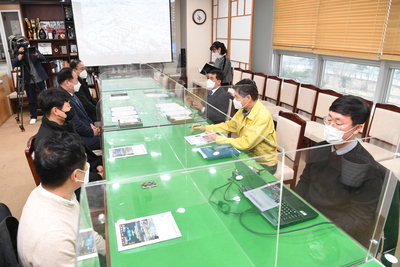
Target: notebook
[265,196]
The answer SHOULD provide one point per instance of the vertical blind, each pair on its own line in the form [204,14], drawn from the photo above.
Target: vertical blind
[365,29]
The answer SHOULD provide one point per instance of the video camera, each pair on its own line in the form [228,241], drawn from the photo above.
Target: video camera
[17,43]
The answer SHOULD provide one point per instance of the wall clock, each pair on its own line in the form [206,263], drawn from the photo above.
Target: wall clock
[199,16]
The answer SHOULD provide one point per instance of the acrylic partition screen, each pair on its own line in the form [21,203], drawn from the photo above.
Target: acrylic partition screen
[124,32]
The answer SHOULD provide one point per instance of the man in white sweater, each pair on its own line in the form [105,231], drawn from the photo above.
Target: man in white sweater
[49,222]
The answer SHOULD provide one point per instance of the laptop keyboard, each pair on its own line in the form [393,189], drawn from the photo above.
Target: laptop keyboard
[287,211]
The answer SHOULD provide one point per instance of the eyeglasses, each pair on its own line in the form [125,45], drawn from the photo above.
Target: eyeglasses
[330,122]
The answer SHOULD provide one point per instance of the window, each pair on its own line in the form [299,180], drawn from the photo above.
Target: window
[394,87]
[350,78]
[297,68]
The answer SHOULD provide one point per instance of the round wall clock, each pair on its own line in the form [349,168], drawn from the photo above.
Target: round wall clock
[199,16]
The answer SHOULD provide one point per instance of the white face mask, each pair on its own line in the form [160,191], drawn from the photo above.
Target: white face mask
[215,55]
[335,136]
[210,84]
[83,74]
[86,178]
[77,87]
[238,104]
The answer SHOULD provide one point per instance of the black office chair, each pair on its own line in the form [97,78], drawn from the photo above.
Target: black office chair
[8,238]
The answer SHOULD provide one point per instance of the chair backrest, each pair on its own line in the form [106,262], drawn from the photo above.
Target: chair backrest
[272,88]
[97,87]
[237,75]
[231,110]
[290,133]
[288,94]
[179,91]
[247,74]
[8,238]
[385,120]
[306,99]
[164,81]
[260,79]
[29,153]
[324,101]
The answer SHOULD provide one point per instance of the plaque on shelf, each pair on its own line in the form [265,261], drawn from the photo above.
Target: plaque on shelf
[42,34]
[45,48]
[63,49]
[74,49]
[55,49]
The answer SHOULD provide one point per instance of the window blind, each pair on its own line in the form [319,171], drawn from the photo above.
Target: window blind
[352,28]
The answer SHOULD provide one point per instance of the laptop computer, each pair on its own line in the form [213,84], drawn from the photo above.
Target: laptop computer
[265,196]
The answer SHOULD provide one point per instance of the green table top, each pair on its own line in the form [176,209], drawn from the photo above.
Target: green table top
[145,107]
[213,238]
[167,150]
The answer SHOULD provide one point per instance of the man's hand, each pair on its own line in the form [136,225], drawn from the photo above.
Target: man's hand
[210,136]
[198,128]
[198,105]
[100,171]
[189,99]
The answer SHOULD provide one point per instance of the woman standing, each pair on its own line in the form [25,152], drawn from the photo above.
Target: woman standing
[222,61]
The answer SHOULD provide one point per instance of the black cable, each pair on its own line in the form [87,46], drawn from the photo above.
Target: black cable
[282,232]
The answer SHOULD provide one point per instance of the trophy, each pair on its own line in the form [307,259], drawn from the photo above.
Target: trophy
[33,23]
[29,27]
[40,32]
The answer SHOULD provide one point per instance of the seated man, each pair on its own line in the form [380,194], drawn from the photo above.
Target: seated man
[68,80]
[252,123]
[342,180]
[57,115]
[217,99]
[84,95]
[49,222]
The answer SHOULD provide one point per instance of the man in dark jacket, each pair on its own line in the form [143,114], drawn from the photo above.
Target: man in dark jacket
[84,95]
[34,75]
[341,179]
[68,80]
[57,115]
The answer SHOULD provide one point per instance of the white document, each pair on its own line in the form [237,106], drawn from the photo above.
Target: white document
[199,140]
[127,151]
[146,230]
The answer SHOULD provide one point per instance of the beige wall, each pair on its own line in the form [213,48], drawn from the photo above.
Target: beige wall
[198,39]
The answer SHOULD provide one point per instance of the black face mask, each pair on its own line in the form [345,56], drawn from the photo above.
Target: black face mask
[70,114]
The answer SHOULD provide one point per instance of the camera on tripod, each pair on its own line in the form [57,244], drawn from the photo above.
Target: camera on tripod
[17,43]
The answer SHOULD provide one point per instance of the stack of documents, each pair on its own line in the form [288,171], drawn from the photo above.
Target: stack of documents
[175,112]
[125,116]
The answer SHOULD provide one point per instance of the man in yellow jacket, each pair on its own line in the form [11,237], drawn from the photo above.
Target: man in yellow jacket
[252,123]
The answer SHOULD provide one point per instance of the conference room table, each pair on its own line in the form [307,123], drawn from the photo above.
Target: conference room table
[210,236]
[184,182]
[144,94]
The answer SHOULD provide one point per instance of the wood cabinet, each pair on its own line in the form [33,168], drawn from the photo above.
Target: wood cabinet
[61,47]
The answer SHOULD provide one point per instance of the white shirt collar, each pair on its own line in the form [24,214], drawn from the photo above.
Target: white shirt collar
[346,149]
[214,90]
[55,197]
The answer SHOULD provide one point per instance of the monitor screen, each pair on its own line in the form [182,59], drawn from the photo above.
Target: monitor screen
[122,31]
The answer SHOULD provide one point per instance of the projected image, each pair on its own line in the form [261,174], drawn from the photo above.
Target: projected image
[122,32]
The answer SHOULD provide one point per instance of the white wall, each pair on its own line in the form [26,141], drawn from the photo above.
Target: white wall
[196,37]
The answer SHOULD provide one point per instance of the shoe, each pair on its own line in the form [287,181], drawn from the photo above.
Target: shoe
[33,121]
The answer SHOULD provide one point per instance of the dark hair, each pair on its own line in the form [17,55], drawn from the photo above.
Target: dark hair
[247,87]
[217,45]
[353,106]
[219,74]
[74,63]
[57,156]
[52,97]
[64,74]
